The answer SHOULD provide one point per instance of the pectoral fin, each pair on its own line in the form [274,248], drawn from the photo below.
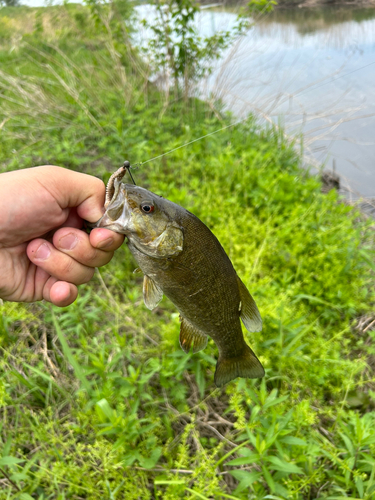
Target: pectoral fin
[152,293]
[191,337]
[249,312]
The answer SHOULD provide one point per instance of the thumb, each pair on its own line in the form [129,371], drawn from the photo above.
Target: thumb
[74,190]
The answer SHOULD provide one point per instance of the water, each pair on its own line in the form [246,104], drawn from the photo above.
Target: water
[313,71]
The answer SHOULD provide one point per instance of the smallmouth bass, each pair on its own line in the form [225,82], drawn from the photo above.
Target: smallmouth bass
[182,259]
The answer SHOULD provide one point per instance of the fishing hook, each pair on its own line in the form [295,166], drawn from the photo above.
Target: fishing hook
[127,166]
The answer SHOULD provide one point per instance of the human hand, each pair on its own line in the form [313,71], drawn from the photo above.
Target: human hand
[43,252]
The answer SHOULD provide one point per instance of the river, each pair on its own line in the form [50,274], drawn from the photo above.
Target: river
[313,71]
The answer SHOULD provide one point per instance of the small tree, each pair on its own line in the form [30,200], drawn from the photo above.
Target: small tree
[177,50]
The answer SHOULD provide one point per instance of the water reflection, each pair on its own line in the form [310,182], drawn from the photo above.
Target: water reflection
[311,20]
[315,71]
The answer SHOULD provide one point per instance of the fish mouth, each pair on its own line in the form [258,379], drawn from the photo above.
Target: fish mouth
[118,213]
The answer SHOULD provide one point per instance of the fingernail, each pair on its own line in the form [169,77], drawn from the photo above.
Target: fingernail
[105,243]
[68,242]
[43,252]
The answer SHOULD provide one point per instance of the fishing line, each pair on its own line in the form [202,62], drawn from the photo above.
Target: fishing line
[195,140]
[140,164]
[334,79]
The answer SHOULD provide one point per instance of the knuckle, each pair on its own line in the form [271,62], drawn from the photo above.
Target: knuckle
[118,240]
[100,183]
[68,267]
[105,259]
[90,258]
[88,276]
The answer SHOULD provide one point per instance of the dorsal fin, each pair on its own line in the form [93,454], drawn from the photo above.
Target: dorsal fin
[152,293]
[191,337]
[249,312]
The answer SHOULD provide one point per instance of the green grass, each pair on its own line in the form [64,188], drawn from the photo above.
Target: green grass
[97,400]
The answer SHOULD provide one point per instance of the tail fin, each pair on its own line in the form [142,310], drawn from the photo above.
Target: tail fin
[245,365]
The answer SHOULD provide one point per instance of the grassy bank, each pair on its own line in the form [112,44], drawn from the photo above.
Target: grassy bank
[97,400]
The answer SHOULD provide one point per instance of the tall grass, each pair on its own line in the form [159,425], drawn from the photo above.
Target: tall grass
[97,400]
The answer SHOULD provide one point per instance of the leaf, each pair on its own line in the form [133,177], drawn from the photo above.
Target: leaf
[199,495]
[19,476]
[48,378]
[273,497]
[342,498]
[168,481]
[293,441]
[103,409]
[68,353]
[245,478]
[227,455]
[348,443]
[317,300]
[272,400]
[10,461]
[368,258]
[369,440]
[7,446]
[224,495]
[130,458]
[283,466]
[359,485]
[149,463]
[268,477]
[249,459]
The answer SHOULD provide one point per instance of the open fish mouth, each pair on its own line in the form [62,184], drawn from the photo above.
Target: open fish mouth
[118,213]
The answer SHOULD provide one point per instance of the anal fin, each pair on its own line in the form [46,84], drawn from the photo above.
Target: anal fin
[246,365]
[249,312]
[191,337]
[152,293]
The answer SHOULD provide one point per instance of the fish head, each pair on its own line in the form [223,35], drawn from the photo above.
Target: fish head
[148,220]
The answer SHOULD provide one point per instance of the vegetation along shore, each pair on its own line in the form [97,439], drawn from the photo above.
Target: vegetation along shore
[97,400]
[322,3]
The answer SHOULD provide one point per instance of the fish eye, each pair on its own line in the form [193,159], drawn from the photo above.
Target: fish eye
[147,207]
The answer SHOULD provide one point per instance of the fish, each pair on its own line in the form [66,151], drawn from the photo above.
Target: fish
[182,259]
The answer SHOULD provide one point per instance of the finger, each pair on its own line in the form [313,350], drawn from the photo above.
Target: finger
[77,244]
[60,293]
[73,220]
[106,240]
[74,189]
[38,280]
[49,288]
[58,264]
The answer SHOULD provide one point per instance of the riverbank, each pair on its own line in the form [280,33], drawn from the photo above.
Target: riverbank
[310,4]
[97,400]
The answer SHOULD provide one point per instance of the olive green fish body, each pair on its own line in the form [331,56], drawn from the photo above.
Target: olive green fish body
[182,259]
[202,285]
